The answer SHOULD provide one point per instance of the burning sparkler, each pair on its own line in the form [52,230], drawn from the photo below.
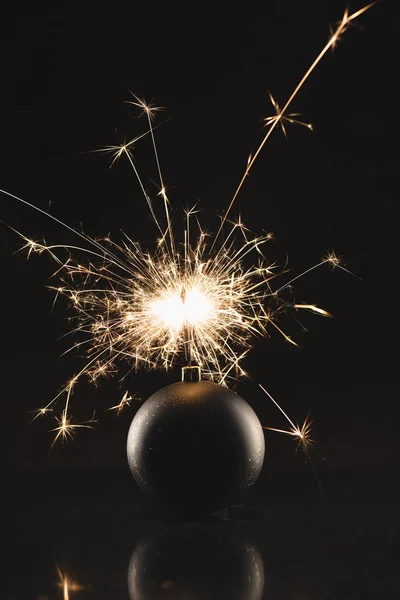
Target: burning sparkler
[189,301]
[170,307]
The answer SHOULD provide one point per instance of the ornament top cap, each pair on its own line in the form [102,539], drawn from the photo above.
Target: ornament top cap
[191,374]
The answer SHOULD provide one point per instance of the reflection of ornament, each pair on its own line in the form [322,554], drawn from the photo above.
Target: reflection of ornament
[196,561]
[195,446]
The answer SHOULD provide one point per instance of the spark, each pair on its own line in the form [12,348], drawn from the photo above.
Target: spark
[40,412]
[125,401]
[148,108]
[336,262]
[302,434]
[120,150]
[65,429]
[314,309]
[304,441]
[280,118]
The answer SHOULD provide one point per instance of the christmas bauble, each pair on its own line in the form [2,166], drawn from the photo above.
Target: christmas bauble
[195,447]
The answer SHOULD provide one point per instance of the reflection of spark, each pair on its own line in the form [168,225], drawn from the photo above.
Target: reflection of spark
[125,401]
[189,300]
[67,585]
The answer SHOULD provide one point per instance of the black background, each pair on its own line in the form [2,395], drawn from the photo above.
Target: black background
[66,71]
[66,68]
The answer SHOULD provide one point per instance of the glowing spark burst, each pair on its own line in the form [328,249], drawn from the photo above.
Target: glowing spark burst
[65,428]
[148,108]
[152,309]
[301,434]
[280,118]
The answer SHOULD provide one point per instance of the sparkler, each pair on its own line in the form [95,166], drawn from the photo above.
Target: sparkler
[190,300]
[167,308]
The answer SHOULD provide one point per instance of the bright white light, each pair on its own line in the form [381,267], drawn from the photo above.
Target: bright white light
[176,310]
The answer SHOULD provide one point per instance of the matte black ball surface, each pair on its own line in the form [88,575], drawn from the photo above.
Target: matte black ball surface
[195,447]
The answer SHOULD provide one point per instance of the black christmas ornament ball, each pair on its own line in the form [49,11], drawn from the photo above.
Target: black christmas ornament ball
[195,447]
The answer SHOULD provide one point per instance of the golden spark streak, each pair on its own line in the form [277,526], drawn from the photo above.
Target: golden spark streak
[281,113]
[149,111]
[294,428]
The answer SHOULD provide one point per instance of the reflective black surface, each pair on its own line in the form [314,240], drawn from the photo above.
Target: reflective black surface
[283,543]
[191,560]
